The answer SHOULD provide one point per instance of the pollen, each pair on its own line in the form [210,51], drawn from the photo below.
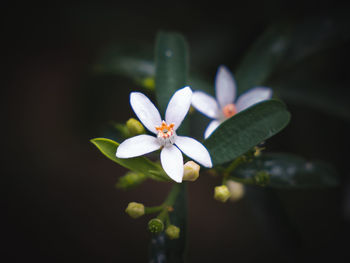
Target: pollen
[229,110]
[165,131]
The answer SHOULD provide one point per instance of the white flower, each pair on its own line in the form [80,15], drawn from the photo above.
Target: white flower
[166,138]
[225,105]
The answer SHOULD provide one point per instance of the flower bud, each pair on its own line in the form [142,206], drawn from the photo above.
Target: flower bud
[262,178]
[155,226]
[148,83]
[221,193]
[130,180]
[173,232]
[236,190]
[134,127]
[191,171]
[135,210]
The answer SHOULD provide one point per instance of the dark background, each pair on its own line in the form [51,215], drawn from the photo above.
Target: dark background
[60,203]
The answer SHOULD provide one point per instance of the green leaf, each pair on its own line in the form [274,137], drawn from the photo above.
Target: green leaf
[289,171]
[171,62]
[137,164]
[248,128]
[263,57]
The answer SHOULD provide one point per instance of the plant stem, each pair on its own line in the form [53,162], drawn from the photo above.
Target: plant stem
[153,209]
[168,203]
[170,200]
[234,164]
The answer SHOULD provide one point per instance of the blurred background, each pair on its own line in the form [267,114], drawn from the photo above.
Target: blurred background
[60,202]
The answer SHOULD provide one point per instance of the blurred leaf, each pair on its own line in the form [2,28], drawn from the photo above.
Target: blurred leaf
[285,47]
[290,171]
[171,62]
[248,128]
[137,164]
[263,57]
[312,89]
[128,66]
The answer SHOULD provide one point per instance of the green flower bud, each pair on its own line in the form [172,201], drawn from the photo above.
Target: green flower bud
[130,180]
[191,171]
[155,226]
[135,210]
[236,190]
[148,83]
[221,193]
[173,232]
[262,178]
[135,127]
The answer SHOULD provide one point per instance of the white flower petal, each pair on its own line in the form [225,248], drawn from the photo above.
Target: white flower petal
[172,162]
[206,104]
[211,128]
[178,106]
[194,149]
[225,87]
[138,145]
[252,97]
[145,111]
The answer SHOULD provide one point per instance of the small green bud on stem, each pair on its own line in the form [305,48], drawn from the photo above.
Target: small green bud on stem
[221,193]
[135,210]
[130,180]
[173,232]
[262,178]
[148,83]
[155,226]
[134,127]
[191,171]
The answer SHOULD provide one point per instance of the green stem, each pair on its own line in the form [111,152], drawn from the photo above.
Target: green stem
[169,202]
[243,181]
[153,209]
[234,165]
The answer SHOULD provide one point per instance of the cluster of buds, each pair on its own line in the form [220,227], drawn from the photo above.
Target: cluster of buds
[155,225]
[136,210]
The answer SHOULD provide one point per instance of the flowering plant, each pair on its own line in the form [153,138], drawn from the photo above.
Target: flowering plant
[231,148]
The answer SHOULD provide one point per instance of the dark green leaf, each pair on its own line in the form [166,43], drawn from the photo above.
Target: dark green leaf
[171,62]
[263,57]
[290,171]
[248,128]
[137,164]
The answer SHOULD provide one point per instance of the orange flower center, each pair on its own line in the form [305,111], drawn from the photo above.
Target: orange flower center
[229,110]
[165,131]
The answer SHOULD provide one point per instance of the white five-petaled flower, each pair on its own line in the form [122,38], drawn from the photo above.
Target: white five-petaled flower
[166,138]
[225,105]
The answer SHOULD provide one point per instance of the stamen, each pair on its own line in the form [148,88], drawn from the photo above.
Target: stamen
[229,110]
[165,131]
